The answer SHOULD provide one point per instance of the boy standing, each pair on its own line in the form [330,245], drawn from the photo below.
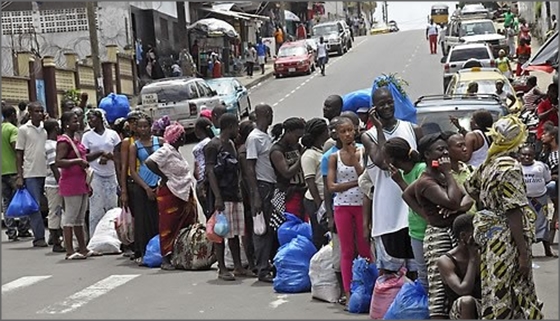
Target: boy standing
[54,199]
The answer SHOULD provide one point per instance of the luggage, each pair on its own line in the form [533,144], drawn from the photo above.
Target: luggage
[105,239]
[386,289]
[192,250]
[292,227]
[324,285]
[115,106]
[411,303]
[292,266]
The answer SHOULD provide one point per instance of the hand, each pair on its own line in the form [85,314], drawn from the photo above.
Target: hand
[445,164]
[19,182]
[524,265]
[455,121]
[395,173]
[83,163]
[219,205]
[151,194]
[446,212]
[103,160]
[374,119]
[109,156]
[124,199]
[84,96]
[90,191]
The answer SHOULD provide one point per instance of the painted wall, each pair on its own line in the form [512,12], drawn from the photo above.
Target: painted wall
[528,10]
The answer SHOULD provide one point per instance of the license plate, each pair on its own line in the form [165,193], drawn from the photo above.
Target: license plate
[292,70]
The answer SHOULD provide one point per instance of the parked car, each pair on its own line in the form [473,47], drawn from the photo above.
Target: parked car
[461,54]
[433,111]
[485,78]
[393,27]
[233,94]
[336,34]
[477,10]
[181,99]
[294,58]
[465,30]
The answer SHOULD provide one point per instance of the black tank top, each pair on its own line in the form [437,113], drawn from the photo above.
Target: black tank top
[476,291]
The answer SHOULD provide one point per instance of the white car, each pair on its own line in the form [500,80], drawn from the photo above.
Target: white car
[461,54]
[464,30]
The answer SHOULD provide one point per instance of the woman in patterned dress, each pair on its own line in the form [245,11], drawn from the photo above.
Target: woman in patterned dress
[504,230]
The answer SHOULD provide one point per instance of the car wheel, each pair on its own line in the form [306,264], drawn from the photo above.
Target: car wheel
[277,76]
[313,68]
[340,52]
[350,43]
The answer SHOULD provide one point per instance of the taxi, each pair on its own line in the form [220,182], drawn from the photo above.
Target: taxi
[486,79]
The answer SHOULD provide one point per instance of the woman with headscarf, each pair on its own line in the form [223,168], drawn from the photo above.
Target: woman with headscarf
[439,197]
[176,200]
[102,144]
[505,229]
[158,127]
[315,135]
[285,157]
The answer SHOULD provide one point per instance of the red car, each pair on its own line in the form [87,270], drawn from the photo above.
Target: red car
[294,58]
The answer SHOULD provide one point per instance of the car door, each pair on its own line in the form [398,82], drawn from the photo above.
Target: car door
[242,98]
[209,98]
[453,38]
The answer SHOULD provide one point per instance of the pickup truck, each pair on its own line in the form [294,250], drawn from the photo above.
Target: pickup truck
[463,31]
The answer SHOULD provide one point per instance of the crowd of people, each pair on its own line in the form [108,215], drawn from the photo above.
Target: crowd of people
[459,210]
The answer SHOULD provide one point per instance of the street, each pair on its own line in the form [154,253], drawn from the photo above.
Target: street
[38,284]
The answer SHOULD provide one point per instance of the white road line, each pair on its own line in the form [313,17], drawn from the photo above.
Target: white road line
[23,282]
[281,299]
[79,299]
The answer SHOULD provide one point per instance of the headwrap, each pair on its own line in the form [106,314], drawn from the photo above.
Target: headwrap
[206,113]
[173,132]
[160,124]
[508,134]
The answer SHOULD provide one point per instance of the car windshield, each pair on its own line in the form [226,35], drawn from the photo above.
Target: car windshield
[438,11]
[223,88]
[478,28]
[325,30]
[466,54]
[438,121]
[292,51]
[484,87]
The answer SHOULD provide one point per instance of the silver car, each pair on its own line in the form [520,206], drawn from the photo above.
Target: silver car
[461,54]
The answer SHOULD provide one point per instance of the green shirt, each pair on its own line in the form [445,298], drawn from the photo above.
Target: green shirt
[9,137]
[508,18]
[416,223]
[461,176]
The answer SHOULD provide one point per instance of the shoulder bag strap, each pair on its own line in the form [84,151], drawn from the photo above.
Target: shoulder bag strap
[74,147]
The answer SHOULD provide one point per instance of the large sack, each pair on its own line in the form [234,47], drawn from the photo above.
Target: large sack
[292,266]
[229,258]
[192,250]
[386,289]
[115,106]
[124,224]
[292,227]
[105,239]
[152,258]
[411,303]
[324,284]
[364,275]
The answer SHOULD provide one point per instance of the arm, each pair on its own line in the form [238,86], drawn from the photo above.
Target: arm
[90,157]
[196,168]
[125,144]
[328,204]
[20,145]
[471,142]
[418,132]
[512,100]
[131,164]
[515,222]
[62,150]
[331,177]
[282,167]
[312,186]
[410,199]
[210,158]
[367,207]
[449,199]
[373,150]
[155,168]
[447,271]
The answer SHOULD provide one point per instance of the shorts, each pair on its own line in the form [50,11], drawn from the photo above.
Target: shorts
[56,203]
[386,262]
[261,60]
[75,208]
[236,219]
[455,311]
[336,252]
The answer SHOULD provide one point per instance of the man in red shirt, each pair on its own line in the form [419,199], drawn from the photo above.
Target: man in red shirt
[301,32]
[216,67]
[548,109]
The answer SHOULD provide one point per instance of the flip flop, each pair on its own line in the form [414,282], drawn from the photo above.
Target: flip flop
[245,273]
[228,276]
[93,253]
[76,256]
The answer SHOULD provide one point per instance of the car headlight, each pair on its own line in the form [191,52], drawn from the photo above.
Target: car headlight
[502,42]
[301,62]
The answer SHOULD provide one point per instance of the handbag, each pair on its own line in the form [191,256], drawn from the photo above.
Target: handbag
[89,171]
[259,224]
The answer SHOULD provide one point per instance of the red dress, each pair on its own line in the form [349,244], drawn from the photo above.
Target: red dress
[217,70]
[544,106]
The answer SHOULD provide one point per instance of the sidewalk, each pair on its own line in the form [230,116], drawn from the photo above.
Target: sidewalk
[257,76]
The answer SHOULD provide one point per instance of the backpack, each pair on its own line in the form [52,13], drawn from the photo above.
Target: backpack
[192,250]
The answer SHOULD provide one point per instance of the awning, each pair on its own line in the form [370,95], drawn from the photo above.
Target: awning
[546,58]
[227,13]
[290,16]
[254,16]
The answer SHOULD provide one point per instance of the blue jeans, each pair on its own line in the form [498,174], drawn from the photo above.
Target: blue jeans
[36,187]
[418,250]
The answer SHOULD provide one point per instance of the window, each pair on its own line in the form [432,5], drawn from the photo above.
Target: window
[193,92]
[163,28]
[204,89]
[17,22]
[64,20]
[466,54]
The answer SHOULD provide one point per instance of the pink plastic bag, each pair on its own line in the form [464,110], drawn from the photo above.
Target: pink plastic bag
[210,234]
[124,224]
[386,289]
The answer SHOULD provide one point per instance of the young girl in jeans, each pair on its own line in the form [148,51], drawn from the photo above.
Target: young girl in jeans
[345,166]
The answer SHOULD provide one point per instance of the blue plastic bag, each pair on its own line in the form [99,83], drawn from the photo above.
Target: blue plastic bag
[292,227]
[221,228]
[404,108]
[411,303]
[292,266]
[364,275]
[152,258]
[22,204]
[356,100]
[115,106]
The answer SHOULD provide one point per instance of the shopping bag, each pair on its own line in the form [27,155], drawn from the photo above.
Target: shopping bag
[22,204]
[124,224]
[152,258]
[259,224]
[221,228]
[210,234]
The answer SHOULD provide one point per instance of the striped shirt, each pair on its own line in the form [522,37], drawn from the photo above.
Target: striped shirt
[50,148]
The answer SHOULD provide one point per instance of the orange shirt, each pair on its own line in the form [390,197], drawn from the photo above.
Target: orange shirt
[279,35]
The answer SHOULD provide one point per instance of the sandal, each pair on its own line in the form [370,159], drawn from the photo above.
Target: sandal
[76,256]
[227,276]
[342,300]
[167,266]
[139,261]
[93,253]
[244,273]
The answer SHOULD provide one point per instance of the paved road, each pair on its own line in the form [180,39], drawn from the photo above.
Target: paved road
[37,284]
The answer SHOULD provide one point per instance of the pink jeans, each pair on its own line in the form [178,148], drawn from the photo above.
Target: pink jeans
[349,227]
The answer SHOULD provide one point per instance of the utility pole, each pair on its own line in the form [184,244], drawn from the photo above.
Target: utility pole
[182,25]
[386,11]
[94,42]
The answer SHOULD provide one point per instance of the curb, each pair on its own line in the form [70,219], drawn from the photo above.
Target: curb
[259,80]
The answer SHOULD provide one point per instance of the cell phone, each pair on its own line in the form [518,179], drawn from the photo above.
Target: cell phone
[435,164]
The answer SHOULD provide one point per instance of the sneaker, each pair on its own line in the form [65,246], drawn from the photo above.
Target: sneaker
[40,243]
[51,239]
[13,237]
[57,248]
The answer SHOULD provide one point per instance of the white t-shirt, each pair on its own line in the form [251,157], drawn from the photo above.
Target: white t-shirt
[105,142]
[321,50]
[31,140]
[50,147]
[536,176]
[258,146]
[433,30]
[311,167]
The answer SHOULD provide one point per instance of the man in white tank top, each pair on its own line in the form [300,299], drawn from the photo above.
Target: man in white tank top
[389,220]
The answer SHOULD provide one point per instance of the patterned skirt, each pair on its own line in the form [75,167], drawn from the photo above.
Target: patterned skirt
[437,242]
[236,218]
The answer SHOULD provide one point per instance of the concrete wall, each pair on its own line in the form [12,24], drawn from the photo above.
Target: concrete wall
[528,10]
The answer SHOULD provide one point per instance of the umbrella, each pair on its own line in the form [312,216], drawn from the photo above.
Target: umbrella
[546,59]
[214,27]
[290,16]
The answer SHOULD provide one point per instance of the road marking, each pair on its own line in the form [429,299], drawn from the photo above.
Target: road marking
[281,299]
[23,282]
[79,299]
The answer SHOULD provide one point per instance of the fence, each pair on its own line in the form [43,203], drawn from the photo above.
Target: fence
[47,82]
